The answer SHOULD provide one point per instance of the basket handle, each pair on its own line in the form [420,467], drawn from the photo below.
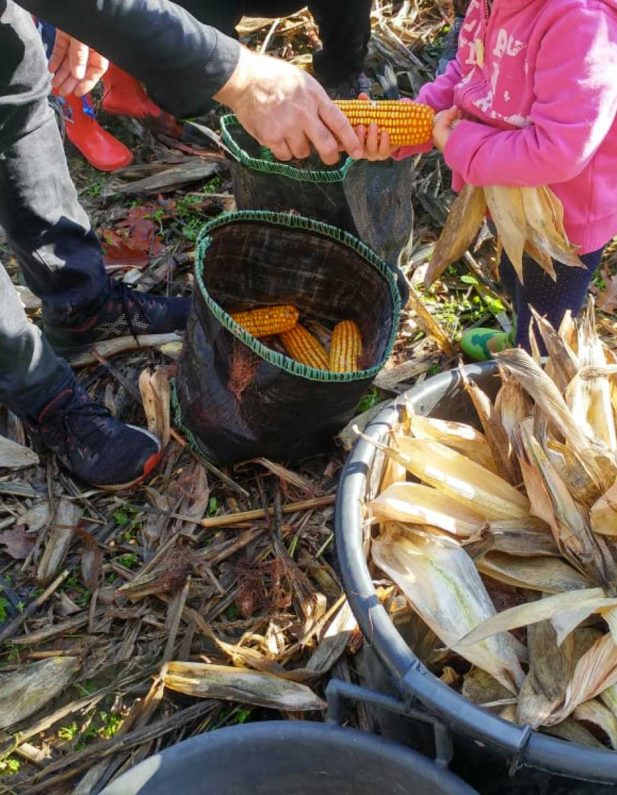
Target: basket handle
[339,691]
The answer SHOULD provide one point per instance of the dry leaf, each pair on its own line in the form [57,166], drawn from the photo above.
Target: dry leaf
[16,456]
[26,690]
[58,540]
[17,543]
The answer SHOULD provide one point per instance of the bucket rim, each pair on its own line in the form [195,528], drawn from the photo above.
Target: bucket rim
[522,744]
[381,749]
[298,222]
[230,121]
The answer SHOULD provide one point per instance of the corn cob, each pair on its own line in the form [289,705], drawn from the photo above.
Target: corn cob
[345,347]
[302,346]
[267,320]
[407,123]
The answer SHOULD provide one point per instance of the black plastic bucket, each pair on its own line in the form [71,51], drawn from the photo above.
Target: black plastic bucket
[290,758]
[444,397]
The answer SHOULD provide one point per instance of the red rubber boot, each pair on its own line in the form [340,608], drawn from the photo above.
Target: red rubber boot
[99,147]
[125,96]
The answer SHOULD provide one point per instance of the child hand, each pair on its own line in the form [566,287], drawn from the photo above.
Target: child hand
[445,122]
[376,145]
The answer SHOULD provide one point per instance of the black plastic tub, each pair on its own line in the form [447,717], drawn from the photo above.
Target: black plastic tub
[290,758]
[444,397]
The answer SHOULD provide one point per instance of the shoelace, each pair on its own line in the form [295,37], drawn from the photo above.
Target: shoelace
[127,296]
[66,419]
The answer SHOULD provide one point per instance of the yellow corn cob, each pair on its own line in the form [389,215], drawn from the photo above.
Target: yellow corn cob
[407,123]
[345,347]
[267,320]
[302,346]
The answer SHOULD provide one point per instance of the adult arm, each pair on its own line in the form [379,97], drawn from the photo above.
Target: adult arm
[182,62]
[185,64]
[574,110]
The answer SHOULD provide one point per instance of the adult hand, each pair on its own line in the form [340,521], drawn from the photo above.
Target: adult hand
[445,122]
[76,67]
[287,110]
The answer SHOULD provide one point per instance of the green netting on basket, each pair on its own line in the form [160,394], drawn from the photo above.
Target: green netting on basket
[239,396]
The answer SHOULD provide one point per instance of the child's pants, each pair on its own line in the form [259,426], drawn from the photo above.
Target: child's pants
[550,299]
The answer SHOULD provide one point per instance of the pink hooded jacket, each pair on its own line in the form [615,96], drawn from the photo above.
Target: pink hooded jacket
[537,83]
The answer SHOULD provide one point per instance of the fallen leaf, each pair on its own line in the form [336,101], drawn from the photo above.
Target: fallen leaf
[18,544]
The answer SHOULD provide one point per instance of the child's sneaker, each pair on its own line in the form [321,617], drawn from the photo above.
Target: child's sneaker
[479,344]
[123,312]
[94,445]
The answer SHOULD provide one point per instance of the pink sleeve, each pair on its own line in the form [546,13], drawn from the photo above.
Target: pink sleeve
[439,95]
[574,110]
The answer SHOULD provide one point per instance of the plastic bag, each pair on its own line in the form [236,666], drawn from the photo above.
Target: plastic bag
[238,398]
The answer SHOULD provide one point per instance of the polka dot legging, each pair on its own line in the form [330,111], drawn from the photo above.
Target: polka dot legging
[550,299]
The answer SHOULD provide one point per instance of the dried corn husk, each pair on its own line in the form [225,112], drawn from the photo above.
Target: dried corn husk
[480,688]
[461,437]
[16,456]
[25,691]
[239,684]
[460,230]
[553,426]
[538,574]
[585,601]
[603,513]
[420,504]
[595,671]
[595,712]
[460,478]
[528,220]
[550,671]
[444,587]
[531,538]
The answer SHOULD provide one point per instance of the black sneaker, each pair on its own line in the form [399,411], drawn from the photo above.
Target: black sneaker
[123,312]
[93,444]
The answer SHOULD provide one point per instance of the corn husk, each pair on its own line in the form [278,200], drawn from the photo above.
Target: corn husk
[550,671]
[459,436]
[528,220]
[574,732]
[585,601]
[460,478]
[24,692]
[595,712]
[603,513]
[420,504]
[481,689]
[16,456]
[552,575]
[595,671]
[552,436]
[244,685]
[444,587]
[499,443]
[531,538]
[464,220]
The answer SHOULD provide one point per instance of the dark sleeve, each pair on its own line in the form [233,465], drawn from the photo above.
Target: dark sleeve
[182,62]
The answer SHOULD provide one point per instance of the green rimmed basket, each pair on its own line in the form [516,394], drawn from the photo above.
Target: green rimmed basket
[237,398]
[308,187]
